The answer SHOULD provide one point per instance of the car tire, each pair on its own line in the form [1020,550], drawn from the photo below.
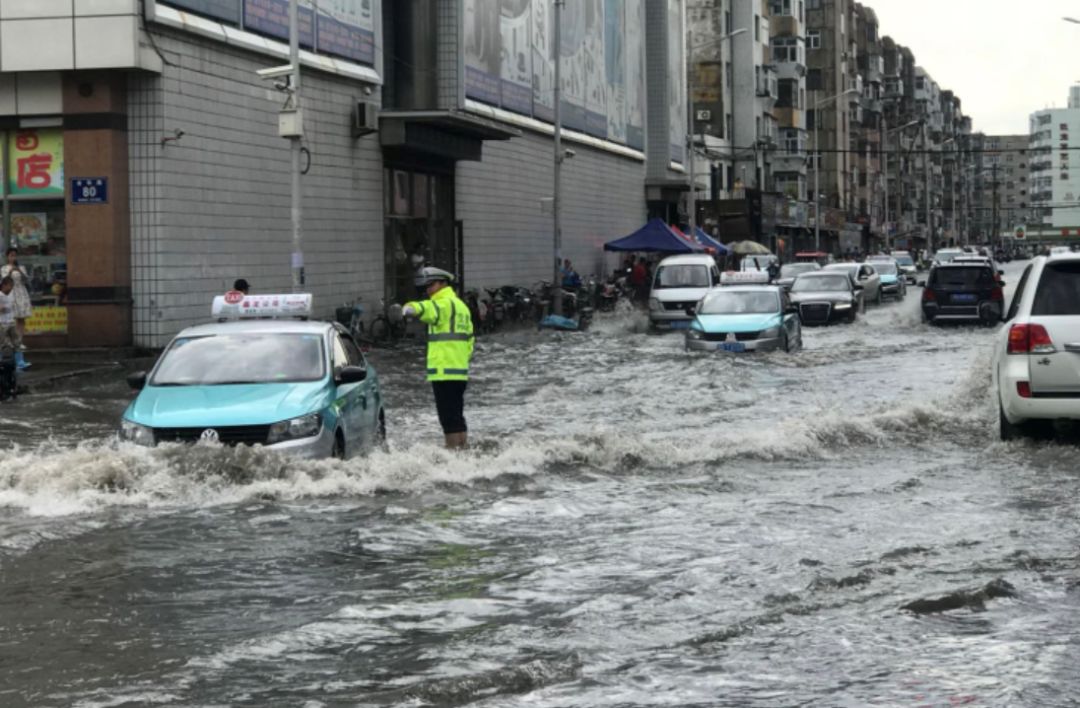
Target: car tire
[785,343]
[879,298]
[338,450]
[853,315]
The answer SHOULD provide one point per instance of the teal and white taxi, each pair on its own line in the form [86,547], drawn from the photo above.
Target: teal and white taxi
[744,314]
[261,374]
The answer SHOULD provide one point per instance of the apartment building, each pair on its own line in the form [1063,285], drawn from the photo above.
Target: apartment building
[711,82]
[787,29]
[1006,197]
[1054,170]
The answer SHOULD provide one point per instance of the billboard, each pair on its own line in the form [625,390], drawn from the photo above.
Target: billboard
[509,63]
[343,28]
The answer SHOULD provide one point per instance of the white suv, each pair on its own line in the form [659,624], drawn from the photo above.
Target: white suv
[1037,354]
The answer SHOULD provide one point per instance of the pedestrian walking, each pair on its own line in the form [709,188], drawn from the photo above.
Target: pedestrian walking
[21,299]
[10,339]
[638,280]
[449,349]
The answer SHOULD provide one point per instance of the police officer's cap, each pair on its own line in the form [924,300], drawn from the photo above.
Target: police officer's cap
[429,275]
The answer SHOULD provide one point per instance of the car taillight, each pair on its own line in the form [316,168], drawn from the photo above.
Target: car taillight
[928,295]
[1023,389]
[1030,339]
[997,294]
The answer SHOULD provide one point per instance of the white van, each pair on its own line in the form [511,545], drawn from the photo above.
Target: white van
[679,284]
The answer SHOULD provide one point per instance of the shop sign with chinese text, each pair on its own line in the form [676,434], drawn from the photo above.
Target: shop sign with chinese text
[36,162]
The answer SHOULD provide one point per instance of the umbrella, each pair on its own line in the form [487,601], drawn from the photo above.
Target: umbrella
[748,248]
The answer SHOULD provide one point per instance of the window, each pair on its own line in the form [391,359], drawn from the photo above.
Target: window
[33,187]
[791,141]
[757,28]
[814,80]
[813,4]
[813,39]
[786,49]
[786,95]
[780,7]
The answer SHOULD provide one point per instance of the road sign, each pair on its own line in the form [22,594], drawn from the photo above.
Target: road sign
[89,190]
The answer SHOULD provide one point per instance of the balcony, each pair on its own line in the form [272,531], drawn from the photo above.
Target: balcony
[871,105]
[785,26]
[788,117]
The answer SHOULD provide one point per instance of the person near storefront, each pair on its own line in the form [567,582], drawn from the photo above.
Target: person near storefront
[10,341]
[449,349]
[21,299]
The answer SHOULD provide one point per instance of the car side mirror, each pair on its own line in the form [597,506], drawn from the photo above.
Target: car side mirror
[859,286]
[137,381]
[351,374]
[792,309]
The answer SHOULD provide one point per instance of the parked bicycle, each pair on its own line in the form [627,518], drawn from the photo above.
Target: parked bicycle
[388,327]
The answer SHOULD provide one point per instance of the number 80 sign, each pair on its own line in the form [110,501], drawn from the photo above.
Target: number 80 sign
[89,190]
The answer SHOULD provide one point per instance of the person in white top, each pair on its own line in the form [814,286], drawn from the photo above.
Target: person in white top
[9,341]
[20,294]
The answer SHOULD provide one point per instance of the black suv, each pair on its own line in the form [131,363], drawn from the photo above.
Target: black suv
[963,292]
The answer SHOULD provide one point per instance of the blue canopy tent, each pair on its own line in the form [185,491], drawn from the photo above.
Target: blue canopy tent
[709,242]
[656,237]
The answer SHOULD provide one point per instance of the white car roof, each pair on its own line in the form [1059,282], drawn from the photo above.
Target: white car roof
[744,289]
[689,259]
[271,326]
[1064,256]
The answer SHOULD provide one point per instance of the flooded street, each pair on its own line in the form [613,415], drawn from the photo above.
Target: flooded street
[634,526]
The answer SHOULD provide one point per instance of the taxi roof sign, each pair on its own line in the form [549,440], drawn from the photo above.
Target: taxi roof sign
[744,277]
[231,307]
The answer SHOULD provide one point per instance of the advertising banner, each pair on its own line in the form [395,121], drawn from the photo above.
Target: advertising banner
[346,28]
[225,10]
[677,80]
[48,319]
[509,63]
[271,17]
[36,163]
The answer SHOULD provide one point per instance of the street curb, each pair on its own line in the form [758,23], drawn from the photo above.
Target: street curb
[48,381]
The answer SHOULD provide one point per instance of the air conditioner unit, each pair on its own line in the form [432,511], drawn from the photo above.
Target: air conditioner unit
[365,119]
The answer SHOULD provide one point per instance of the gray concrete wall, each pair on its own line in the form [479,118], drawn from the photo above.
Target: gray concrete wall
[215,204]
[508,237]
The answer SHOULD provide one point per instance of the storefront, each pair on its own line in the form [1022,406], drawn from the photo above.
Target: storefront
[34,221]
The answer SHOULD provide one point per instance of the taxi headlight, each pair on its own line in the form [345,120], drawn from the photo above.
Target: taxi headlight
[135,433]
[694,334]
[303,427]
[654,304]
[770,333]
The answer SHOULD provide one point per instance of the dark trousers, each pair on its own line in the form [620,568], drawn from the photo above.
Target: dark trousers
[450,405]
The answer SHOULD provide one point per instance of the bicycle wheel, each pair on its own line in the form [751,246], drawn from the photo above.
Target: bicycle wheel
[381,330]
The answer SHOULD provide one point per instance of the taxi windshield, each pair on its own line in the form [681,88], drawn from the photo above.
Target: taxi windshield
[740,303]
[241,358]
[904,260]
[821,283]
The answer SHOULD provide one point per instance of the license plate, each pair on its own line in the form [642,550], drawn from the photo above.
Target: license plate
[964,297]
[680,324]
[732,347]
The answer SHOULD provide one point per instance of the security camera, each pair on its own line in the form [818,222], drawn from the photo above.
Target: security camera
[283,85]
[368,90]
[569,153]
[276,72]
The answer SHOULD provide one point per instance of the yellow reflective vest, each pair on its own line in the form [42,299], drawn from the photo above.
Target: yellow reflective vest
[450,335]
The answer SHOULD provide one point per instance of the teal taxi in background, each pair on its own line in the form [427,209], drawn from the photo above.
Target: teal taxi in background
[739,317]
[263,374]
[893,278]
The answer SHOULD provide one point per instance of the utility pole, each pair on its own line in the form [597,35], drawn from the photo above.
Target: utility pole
[926,177]
[884,158]
[995,234]
[691,196]
[556,283]
[295,149]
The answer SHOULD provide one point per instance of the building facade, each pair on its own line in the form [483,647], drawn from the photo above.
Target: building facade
[146,171]
[1054,170]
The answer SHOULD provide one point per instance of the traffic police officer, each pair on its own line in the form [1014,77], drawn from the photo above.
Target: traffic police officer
[449,349]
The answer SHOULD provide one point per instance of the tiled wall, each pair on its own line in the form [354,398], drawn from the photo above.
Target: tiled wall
[214,205]
[52,35]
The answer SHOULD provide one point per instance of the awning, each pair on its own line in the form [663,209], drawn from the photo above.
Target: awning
[654,237]
[449,134]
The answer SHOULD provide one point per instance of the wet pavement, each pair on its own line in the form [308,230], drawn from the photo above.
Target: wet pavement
[634,526]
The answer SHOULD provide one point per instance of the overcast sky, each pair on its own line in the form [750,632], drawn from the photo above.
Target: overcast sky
[1004,59]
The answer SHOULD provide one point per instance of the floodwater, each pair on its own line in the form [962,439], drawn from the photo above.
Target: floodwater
[634,526]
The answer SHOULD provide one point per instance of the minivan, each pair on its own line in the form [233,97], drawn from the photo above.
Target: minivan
[678,285]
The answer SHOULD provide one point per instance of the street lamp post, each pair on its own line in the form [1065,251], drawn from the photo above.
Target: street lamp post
[556,202]
[691,117]
[817,163]
[296,149]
